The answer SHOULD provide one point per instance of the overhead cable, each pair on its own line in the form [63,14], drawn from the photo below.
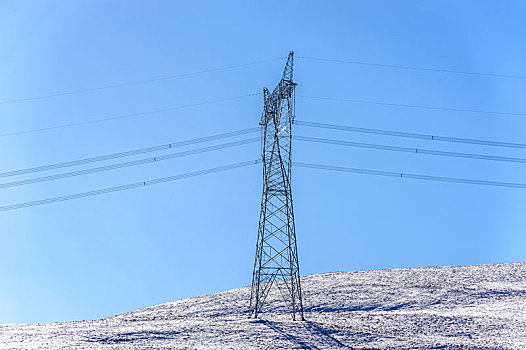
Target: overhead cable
[450,109]
[409,150]
[128,153]
[428,69]
[129,164]
[137,82]
[408,176]
[409,135]
[129,186]
[130,115]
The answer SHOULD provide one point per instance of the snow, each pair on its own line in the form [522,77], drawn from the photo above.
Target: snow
[455,307]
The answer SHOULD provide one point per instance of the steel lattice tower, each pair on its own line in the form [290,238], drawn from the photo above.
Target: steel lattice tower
[276,260]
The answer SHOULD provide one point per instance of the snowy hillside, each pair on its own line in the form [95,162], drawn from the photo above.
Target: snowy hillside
[463,307]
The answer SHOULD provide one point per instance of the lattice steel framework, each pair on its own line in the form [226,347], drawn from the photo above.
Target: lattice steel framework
[276,260]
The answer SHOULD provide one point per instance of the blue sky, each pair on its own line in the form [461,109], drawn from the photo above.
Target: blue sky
[103,255]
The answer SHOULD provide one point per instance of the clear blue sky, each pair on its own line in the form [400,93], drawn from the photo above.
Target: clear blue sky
[103,255]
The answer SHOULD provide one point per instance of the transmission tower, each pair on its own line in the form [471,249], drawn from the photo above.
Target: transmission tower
[276,260]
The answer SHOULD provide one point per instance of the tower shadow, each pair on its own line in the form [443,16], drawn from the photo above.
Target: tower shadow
[319,337]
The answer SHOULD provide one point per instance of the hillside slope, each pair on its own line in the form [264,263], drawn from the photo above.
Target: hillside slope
[460,307]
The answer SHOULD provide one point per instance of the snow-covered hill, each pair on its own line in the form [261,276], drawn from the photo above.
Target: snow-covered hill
[460,307]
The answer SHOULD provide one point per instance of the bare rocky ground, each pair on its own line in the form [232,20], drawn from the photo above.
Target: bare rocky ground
[458,307]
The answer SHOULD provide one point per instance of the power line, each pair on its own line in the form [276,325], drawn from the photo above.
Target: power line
[413,106]
[409,135]
[428,69]
[129,186]
[128,153]
[410,150]
[128,115]
[137,82]
[129,164]
[409,176]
